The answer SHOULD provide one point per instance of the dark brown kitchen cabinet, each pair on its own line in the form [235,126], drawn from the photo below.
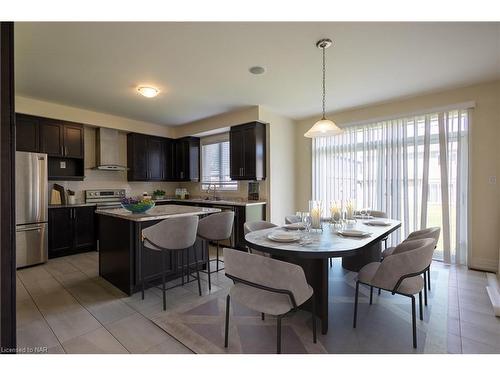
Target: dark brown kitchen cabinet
[137,158]
[54,137]
[156,155]
[151,158]
[187,159]
[148,158]
[71,230]
[73,140]
[51,137]
[247,151]
[61,138]
[27,133]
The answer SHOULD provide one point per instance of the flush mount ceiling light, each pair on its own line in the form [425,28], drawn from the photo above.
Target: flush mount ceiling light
[148,91]
[257,70]
[323,127]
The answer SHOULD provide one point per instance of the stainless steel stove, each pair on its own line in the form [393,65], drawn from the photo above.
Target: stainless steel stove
[105,198]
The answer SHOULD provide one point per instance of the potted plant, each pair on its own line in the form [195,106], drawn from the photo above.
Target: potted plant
[158,194]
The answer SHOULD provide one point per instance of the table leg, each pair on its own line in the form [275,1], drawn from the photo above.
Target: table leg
[366,255]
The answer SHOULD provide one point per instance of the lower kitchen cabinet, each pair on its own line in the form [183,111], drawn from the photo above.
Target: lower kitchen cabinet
[71,230]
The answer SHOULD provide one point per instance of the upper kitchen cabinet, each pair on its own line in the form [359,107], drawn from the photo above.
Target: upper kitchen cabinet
[61,138]
[186,159]
[247,144]
[73,140]
[51,137]
[137,158]
[156,155]
[27,133]
[148,158]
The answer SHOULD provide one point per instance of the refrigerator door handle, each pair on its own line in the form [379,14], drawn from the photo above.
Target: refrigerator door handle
[28,229]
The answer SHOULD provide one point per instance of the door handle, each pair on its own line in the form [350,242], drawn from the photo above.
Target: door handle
[65,150]
[29,229]
[62,150]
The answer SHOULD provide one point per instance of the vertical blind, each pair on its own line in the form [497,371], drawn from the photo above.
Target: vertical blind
[215,166]
[415,169]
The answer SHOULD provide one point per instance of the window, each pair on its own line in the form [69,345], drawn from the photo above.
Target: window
[414,169]
[215,164]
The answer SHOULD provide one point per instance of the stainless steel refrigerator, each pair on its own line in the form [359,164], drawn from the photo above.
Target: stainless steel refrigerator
[31,208]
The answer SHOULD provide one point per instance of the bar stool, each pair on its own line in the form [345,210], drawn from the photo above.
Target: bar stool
[170,236]
[216,227]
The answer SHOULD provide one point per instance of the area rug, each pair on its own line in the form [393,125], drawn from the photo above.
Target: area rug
[200,327]
[384,327]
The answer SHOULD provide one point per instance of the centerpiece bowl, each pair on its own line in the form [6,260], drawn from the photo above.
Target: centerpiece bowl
[137,205]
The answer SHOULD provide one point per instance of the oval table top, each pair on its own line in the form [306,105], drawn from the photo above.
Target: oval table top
[322,244]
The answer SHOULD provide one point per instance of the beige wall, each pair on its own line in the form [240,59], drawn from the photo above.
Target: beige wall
[224,120]
[280,165]
[484,158]
[63,112]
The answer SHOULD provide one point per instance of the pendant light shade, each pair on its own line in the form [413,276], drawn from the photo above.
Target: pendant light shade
[323,127]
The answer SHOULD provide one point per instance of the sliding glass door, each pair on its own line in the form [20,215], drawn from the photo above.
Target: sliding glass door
[414,168]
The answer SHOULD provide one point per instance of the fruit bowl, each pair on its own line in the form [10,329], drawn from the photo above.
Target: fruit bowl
[137,205]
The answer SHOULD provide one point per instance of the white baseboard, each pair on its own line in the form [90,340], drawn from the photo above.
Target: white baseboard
[483,264]
[493,290]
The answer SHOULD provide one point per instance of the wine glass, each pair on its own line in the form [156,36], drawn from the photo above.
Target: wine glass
[368,212]
[306,219]
[362,212]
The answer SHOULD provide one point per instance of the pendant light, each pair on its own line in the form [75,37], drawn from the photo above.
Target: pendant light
[323,127]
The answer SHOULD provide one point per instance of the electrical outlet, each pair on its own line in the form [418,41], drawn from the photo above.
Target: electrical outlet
[62,165]
[493,180]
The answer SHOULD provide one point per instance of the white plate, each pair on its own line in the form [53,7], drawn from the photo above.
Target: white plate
[353,233]
[378,223]
[283,237]
[294,226]
[366,217]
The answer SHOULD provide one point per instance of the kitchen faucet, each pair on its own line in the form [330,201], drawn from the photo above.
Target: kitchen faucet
[214,197]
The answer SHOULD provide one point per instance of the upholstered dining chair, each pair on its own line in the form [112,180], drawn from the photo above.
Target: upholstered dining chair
[291,219]
[400,274]
[215,227]
[252,226]
[432,232]
[174,236]
[267,285]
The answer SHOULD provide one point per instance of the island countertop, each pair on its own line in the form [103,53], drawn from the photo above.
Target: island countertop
[158,212]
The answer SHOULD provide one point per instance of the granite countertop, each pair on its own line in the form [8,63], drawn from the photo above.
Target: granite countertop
[222,202]
[71,205]
[158,212]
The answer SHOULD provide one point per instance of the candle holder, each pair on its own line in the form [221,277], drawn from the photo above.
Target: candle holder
[350,210]
[315,209]
[335,213]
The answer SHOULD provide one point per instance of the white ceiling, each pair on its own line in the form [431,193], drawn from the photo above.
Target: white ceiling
[202,68]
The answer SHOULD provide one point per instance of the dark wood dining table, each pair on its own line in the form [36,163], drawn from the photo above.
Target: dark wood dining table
[316,247]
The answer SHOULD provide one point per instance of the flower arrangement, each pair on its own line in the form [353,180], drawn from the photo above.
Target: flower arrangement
[137,205]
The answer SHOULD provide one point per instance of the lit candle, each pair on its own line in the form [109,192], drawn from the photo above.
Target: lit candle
[350,210]
[316,217]
[335,211]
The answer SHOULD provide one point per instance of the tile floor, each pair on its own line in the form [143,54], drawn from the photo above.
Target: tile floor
[63,306]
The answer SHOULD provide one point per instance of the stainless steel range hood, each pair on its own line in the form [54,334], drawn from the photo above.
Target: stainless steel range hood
[107,152]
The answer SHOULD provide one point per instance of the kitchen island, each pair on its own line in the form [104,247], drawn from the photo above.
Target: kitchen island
[119,233]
